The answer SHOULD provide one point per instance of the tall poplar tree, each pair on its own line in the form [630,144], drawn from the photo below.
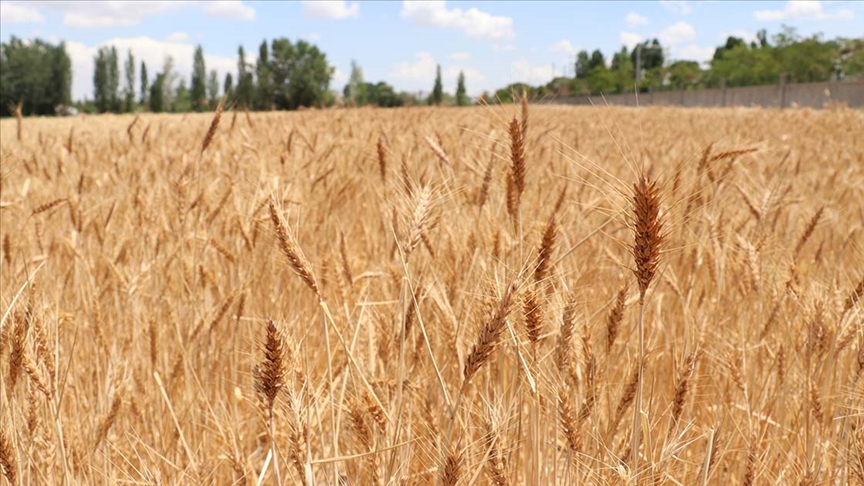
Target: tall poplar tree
[198,92]
[145,85]
[130,82]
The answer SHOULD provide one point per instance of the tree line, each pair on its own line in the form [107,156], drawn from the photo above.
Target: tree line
[285,76]
[735,63]
[288,75]
[359,92]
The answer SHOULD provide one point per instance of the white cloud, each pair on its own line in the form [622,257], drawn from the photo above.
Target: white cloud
[802,10]
[474,23]
[678,7]
[13,13]
[420,74]
[525,72]
[471,74]
[85,21]
[178,37]
[314,36]
[633,19]
[563,46]
[460,56]
[339,79]
[422,69]
[677,33]
[231,9]
[330,9]
[473,78]
[82,69]
[99,14]
[96,14]
[692,52]
[630,39]
[475,81]
[152,51]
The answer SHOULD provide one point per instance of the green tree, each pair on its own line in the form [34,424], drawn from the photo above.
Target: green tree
[596,60]
[510,93]
[114,80]
[809,60]
[385,96]
[380,94]
[601,80]
[169,81]
[228,86]
[622,71]
[244,79]
[61,75]
[582,61]
[145,89]
[438,89]
[301,74]
[355,89]
[370,95]
[560,86]
[620,59]
[649,54]
[731,43]
[802,59]
[743,66]
[461,97]
[130,82]
[213,88]
[101,93]
[684,73]
[786,37]
[850,56]
[647,59]
[182,99]
[264,100]
[198,92]
[157,94]
[762,35]
[35,72]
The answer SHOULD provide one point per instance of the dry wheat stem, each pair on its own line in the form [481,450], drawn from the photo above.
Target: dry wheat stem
[647,238]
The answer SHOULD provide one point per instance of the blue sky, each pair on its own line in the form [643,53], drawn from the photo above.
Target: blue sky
[494,43]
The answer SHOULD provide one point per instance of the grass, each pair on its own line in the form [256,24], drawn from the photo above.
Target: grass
[434,296]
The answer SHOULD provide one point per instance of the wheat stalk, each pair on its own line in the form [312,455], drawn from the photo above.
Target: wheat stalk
[214,125]
[648,237]
[288,245]
[269,380]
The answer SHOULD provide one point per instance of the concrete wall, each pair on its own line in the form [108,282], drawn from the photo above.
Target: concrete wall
[813,95]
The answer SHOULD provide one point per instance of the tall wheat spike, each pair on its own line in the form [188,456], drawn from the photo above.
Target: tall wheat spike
[648,236]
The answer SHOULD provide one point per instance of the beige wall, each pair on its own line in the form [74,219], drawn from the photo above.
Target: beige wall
[814,95]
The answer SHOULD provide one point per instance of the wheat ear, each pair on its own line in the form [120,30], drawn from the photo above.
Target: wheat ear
[269,380]
[647,239]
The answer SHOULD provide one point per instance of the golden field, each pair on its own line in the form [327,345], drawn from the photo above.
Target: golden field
[453,295]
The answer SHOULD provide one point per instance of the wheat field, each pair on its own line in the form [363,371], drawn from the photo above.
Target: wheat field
[434,296]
